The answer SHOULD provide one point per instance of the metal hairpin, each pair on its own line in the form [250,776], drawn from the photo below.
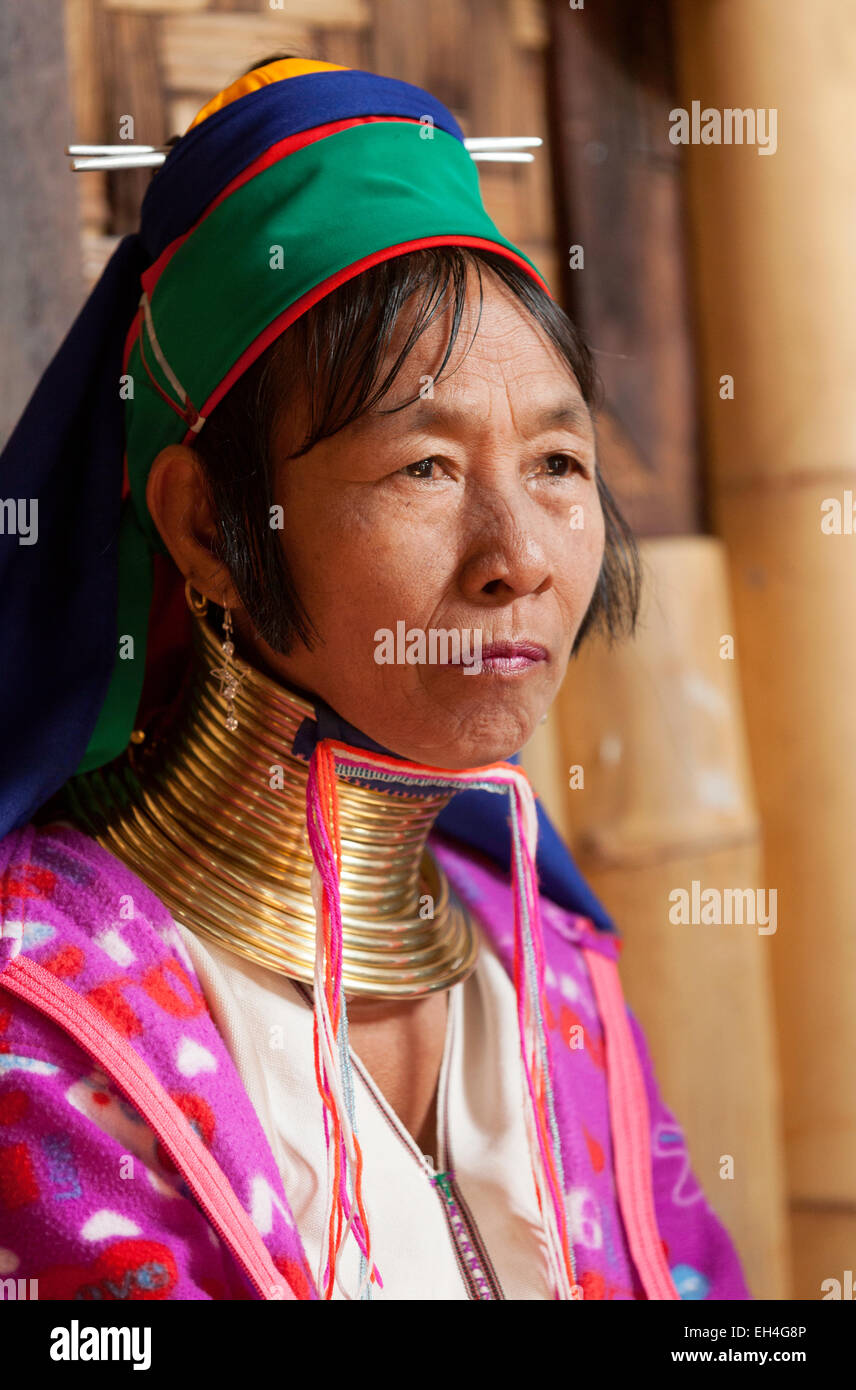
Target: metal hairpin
[507,149]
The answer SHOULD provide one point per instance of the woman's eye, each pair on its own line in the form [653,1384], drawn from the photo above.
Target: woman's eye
[422,469]
[560,465]
[557,466]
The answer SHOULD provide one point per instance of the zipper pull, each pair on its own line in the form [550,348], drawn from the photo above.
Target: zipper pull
[441,1180]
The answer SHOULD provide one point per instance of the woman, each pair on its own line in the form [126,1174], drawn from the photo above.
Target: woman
[302,996]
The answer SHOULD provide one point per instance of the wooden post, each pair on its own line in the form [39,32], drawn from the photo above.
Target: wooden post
[776,290]
[657,725]
[667,800]
[620,206]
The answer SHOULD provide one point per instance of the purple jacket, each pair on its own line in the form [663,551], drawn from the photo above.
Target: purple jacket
[93,1206]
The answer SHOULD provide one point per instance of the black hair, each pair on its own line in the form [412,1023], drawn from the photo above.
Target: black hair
[338,347]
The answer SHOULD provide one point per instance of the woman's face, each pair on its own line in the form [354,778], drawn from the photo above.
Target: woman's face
[468,522]
[472,512]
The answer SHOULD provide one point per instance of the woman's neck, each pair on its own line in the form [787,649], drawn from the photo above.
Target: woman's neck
[214,821]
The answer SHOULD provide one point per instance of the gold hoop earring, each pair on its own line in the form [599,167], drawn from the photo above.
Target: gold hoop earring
[196,602]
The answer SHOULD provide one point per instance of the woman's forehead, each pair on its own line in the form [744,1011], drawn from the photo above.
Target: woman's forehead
[497,337]
[498,346]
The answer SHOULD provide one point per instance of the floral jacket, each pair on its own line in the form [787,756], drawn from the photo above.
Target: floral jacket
[133,1165]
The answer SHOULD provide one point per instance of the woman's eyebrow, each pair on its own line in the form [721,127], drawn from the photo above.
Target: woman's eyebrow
[425,413]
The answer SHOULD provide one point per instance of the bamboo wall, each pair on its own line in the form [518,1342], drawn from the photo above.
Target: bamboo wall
[776,290]
[656,729]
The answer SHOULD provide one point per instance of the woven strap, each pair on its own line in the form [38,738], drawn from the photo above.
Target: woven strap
[135,1079]
[631,1131]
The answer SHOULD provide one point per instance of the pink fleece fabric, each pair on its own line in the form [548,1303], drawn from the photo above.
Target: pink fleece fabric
[91,1205]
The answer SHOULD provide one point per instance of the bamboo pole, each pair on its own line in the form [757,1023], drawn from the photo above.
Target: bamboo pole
[776,289]
[656,728]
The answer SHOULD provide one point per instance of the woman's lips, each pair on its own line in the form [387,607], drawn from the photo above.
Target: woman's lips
[509,658]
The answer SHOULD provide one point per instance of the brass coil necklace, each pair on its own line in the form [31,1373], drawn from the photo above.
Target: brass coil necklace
[213,820]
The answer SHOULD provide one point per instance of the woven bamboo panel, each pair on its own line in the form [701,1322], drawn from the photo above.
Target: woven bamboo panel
[160,60]
[205,52]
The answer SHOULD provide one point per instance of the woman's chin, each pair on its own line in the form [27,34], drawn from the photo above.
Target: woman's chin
[463,748]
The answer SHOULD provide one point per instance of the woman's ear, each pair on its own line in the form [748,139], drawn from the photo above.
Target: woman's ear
[180,506]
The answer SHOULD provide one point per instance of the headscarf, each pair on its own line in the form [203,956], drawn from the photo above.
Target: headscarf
[292,180]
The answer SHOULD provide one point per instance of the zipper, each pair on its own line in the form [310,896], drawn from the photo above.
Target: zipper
[474,1264]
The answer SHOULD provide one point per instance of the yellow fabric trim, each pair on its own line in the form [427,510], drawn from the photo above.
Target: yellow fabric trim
[261,77]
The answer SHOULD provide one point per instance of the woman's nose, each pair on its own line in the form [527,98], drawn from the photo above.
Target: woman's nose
[507,556]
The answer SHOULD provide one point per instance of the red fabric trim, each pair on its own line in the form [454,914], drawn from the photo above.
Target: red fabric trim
[206,1179]
[167,649]
[187,412]
[631,1131]
[306,301]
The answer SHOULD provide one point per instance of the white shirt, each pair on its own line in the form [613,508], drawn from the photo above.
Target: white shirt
[266,1024]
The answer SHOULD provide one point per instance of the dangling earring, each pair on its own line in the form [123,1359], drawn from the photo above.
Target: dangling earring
[230,686]
[228,675]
